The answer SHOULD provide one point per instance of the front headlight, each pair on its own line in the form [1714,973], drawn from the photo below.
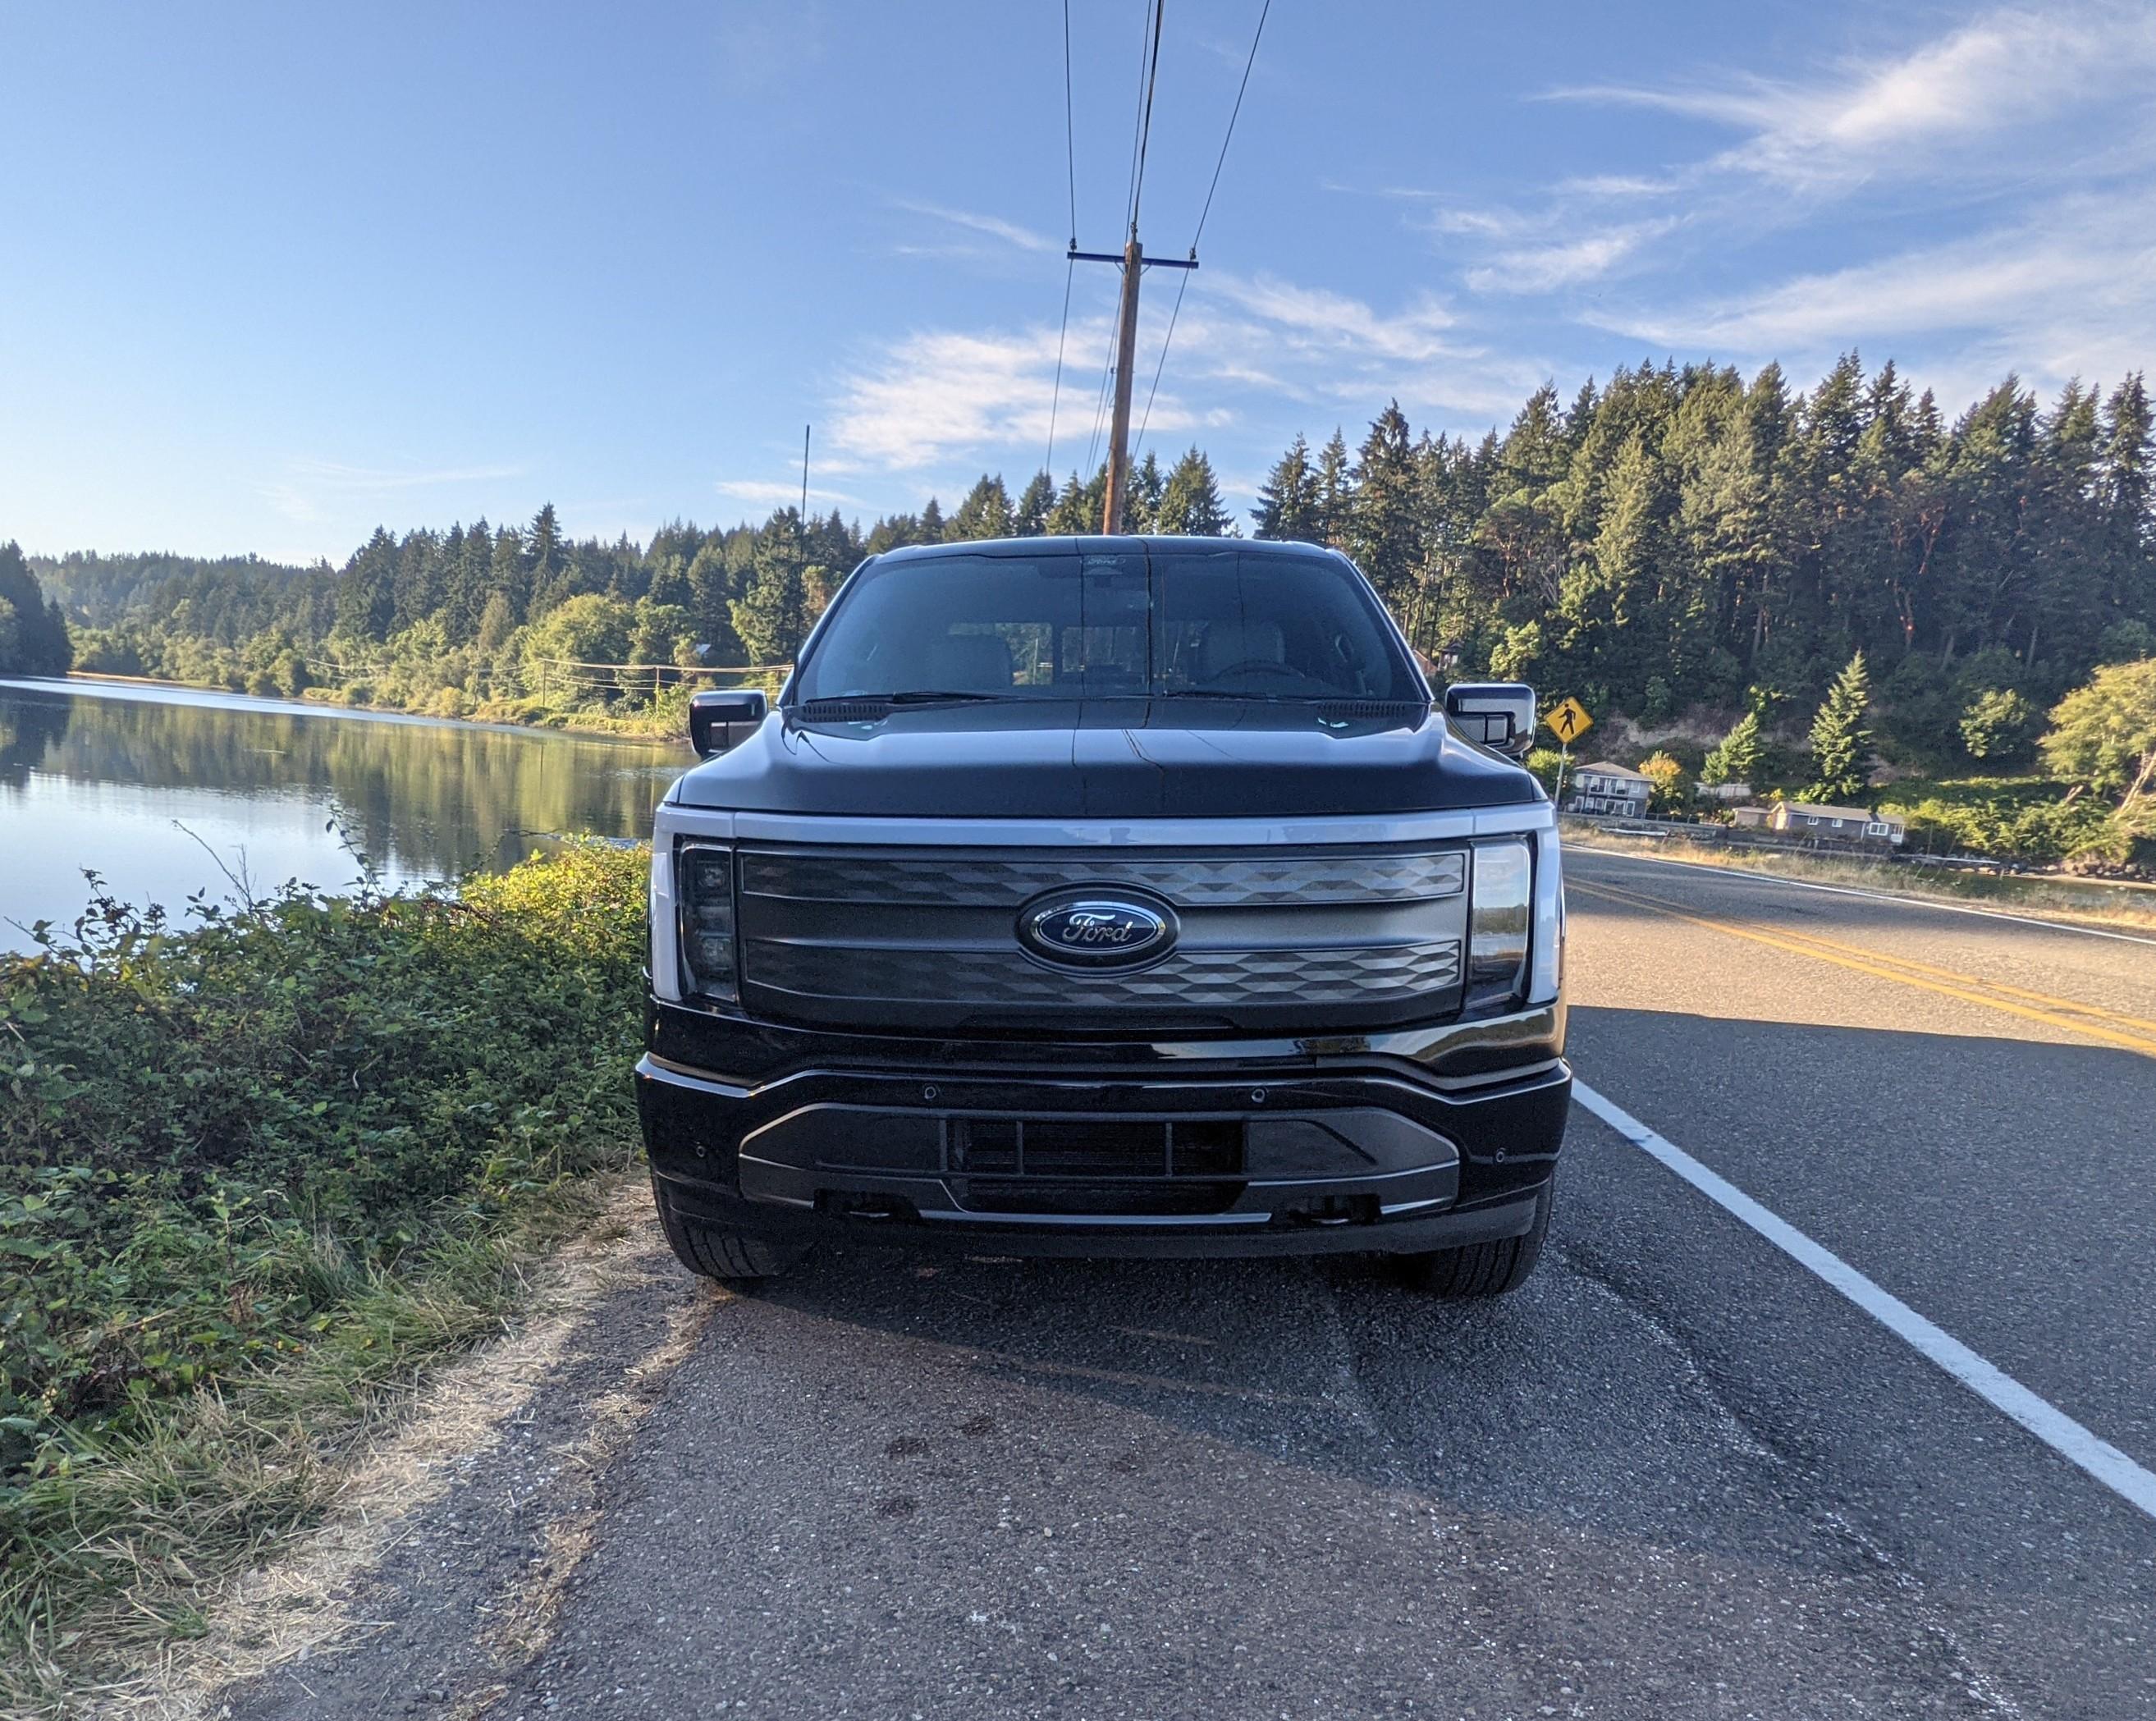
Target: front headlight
[1499,912]
[704,886]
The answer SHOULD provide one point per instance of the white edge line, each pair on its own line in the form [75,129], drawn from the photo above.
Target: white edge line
[1802,884]
[2059,1432]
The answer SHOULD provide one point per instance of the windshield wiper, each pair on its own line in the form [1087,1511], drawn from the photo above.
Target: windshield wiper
[911,696]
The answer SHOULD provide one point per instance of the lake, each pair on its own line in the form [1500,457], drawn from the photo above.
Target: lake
[145,785]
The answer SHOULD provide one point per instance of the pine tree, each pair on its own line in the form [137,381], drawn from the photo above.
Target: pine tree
[986,512]
[1190,505]
[1381,520]
[931,523]
[1288,501]
[1336,491]
[1736,757]
[1077,510]
[771,615]
[1142,496]
[1030,516]
[1841,746]
[34,634]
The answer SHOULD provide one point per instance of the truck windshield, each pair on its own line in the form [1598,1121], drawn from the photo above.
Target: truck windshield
[1223,623]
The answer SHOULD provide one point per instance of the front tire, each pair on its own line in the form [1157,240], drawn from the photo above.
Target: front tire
[717,1252]
[1485,1269]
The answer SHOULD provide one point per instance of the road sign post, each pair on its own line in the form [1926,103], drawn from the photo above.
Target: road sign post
[1568,721]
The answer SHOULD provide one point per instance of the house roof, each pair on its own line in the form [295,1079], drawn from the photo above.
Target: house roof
[1603,768]
[1809,810]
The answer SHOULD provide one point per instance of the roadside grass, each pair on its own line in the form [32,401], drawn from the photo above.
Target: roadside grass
[2124,907]
[257,1174]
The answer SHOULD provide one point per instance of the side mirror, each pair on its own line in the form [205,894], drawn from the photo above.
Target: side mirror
[1500,714]
[719,721]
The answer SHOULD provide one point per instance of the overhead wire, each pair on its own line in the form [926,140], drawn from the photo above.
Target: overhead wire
[1070,263]
[1176,311]
[1148,57]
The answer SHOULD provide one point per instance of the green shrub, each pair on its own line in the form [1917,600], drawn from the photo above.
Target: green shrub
[221,1142]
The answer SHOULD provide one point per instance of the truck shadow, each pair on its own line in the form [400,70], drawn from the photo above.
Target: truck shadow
[1666,1377]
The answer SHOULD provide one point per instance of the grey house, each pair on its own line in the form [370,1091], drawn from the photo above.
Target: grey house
[1607,788]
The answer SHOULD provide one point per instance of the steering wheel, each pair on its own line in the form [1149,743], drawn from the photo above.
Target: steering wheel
[1254,666]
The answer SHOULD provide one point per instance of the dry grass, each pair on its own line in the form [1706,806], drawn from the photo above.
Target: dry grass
[250,1511]
[2121,906]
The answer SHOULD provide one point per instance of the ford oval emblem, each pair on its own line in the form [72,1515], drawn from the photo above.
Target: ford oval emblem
[1096,929]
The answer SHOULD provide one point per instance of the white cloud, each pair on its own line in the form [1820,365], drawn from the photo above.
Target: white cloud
[1538,268]
[2070,291]
[310,488]
[2001,71]
[1009,232]
[778,493]
[1315,319]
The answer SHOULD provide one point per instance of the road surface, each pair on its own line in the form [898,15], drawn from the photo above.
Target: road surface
[1680,1475]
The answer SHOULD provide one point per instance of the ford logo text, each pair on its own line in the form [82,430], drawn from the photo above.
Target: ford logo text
[1093,930]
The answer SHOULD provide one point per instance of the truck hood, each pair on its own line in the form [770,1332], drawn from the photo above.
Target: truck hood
[1111,758]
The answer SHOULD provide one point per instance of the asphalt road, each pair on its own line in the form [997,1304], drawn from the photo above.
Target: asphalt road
[1678,1475]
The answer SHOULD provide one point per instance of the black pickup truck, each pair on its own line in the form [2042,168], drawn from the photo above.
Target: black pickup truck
[1108,896]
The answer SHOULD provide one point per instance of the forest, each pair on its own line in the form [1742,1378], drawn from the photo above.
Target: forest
[1679,546]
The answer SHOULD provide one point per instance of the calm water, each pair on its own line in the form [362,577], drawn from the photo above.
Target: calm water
[124,780]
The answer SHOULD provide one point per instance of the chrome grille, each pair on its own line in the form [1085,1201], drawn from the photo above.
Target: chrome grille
[1224,881]
[907,940]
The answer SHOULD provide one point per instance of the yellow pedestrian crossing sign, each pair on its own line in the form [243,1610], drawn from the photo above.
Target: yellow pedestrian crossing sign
[1570,721]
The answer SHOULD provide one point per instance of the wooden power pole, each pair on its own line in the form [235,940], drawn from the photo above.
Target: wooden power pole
[1135,262]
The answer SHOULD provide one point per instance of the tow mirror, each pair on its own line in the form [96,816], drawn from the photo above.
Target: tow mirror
[719,721]
[1500,714]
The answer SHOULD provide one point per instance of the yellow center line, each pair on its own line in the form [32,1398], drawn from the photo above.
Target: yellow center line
[1970,990]
[2070,1006]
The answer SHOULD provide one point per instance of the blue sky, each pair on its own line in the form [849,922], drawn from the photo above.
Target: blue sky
[271,274]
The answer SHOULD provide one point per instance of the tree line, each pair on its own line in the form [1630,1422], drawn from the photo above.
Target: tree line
[1676,537]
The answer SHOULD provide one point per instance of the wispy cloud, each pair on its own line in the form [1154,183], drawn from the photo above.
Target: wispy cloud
[2070,290]
[939,401]
[1009,232]
[2001,71]
[1564,263]
[310,490]
[778,493]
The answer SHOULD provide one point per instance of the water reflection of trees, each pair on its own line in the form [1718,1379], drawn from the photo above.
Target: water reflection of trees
[30,727]
[433,798]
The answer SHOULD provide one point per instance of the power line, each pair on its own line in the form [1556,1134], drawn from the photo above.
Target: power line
[1131,191]
[1069,128]
[1070,268]
[1056,398]
[1145,121]
[1256,37]
[1234,113]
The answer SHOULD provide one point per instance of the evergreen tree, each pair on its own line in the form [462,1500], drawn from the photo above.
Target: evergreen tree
[1381,518]
[771,615]
[1841,746]
[986,512]
[1077,512]
[1190,504]
[1142,496]
[1288,501]
[1030,516]
[931,523]
[1736,757]
[34,634]
[1335,491]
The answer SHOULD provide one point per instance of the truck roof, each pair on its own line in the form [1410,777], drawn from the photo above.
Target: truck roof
[1102,545]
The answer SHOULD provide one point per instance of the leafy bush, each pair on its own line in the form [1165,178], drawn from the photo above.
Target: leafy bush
[219,1139]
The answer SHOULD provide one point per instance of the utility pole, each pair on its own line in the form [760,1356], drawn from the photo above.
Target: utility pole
[1134,262]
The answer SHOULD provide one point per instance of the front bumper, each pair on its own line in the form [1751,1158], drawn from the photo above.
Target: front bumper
[1427,1138]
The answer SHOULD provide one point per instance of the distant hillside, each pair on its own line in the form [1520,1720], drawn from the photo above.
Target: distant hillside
[103,589]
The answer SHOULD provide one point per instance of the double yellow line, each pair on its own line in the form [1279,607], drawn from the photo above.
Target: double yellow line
[2092,1020]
